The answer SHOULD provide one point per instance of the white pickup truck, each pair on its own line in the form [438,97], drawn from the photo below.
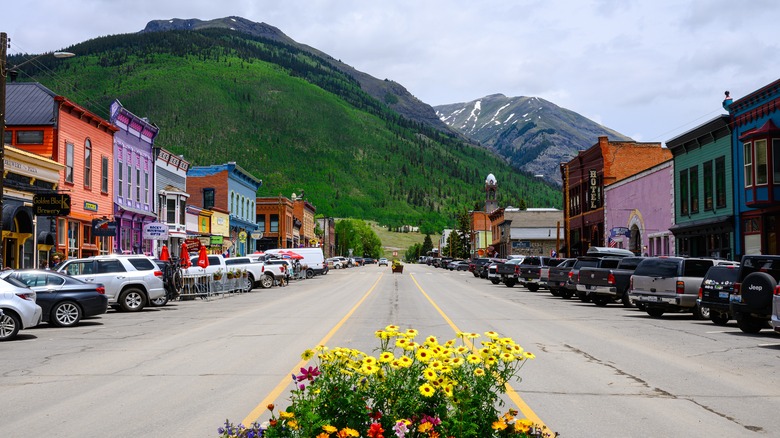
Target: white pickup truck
[258,272]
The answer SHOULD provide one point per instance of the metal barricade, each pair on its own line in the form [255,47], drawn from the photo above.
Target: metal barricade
[195,285]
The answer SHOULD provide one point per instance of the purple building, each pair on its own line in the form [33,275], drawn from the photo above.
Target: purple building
[639,211]
[133,180]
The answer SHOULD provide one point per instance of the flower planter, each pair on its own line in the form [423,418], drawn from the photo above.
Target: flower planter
[399,269]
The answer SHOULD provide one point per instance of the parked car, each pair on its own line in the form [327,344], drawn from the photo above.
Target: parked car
[480,266]
[668,284]
[530,271]
[18,310]
[570,287]
[334,263]
[609,281]
[258,274]
[452,264]
[131,281]
[64,300]
[509,271]
[715,291]
[492,273]
[462,265]
[369,261]
[557,276]
[754,292]
[383,262]
[312,258]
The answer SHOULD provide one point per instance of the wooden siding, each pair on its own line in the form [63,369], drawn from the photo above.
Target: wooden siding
[696,157]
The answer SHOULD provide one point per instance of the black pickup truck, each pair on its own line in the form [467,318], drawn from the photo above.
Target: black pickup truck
[557,276]
[609,281]
[530,271]
[751,300]
[509,271]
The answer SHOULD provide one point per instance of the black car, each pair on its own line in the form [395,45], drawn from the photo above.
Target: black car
[64,300]
[714,293]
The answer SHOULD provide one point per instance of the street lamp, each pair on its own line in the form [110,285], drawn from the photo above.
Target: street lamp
[4,71]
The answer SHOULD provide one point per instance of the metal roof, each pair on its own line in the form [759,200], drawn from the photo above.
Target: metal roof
[29,104]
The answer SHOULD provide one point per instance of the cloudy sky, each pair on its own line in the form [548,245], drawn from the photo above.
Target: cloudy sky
[648,69]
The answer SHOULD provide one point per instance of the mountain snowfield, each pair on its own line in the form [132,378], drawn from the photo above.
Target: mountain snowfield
[532,134]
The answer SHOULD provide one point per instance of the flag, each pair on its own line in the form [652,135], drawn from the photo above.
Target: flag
[612,243]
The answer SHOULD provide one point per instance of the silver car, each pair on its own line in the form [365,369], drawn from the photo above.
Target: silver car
[18,310]
[131,281]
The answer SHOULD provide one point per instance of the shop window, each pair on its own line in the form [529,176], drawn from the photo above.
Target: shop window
[8,137]
[69,162]
[138,184]
[87,164]
[693,175]
[146,188]
[62,232]
[182,211]
[761,162]
[260,218]
[720,182]
[170,210]
[129,182]
[87,233]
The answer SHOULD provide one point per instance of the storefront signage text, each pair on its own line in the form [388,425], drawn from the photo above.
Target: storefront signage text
[51,205]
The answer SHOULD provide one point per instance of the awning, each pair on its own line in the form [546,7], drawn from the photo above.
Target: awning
[22,214]
[45,238]
[702,226]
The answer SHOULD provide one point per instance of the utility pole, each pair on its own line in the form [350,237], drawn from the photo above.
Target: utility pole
[3,74]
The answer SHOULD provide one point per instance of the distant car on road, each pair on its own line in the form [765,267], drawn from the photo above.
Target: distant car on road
[383,262]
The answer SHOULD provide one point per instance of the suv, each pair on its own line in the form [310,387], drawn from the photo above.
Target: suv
[668,284]
[757,283]
[714,293]
[131,281]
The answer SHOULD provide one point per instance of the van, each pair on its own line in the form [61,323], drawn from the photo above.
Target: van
[312,257]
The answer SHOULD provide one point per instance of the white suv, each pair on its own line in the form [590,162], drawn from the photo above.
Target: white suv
[131,281]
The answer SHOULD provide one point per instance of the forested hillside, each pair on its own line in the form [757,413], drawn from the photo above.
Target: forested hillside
[290,119]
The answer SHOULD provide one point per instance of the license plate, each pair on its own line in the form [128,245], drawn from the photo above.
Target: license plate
[723,295]
[562,284]
[735,298]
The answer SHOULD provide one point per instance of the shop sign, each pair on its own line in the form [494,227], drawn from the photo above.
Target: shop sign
[595,194]
[257,235]
[51,205]
[90,206]
[204,240]
[242,236]
[192,244]
[155,231]
[103,227]
[217,240]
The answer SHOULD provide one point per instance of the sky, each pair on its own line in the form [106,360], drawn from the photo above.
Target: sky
[649,69]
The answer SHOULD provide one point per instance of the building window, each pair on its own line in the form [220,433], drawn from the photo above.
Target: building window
[62,232]
[693,175]
[260,219]
[138,184]
[208,198]
[748,147]
[182,211]
[87,164]
[776,161]
[274,223]
[720,182]
[104,174]
[170,210]
[762,173]
[119,175]
[146,187]
[232,203]
[684,192]
[129,182]
[69,162]
[708,201]
[27,137]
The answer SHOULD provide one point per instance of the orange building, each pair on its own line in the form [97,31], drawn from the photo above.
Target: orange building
[584,179]
[276,221]
[304,212]
[43,123]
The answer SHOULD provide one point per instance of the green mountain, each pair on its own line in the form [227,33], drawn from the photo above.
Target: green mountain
[290,118]
[534,135]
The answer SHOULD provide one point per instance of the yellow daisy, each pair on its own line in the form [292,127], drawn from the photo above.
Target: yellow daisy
[426,390]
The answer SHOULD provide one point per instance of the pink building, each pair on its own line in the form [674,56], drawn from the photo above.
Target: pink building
[639,210]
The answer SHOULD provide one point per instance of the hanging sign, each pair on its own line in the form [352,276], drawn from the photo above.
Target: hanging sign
[155,231]
[103,227]
[51,205]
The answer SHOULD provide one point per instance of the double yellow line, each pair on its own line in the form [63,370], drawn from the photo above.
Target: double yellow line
[285,382]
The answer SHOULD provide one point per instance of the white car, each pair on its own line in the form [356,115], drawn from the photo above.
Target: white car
[335,262]
[383,261]
[17,310]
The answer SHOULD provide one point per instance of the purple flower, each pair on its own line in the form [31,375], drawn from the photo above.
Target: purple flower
[308,374]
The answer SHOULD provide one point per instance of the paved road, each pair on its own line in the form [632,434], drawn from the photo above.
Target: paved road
[183,369]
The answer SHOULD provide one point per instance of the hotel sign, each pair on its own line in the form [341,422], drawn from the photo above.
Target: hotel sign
[51,205]
[595,190]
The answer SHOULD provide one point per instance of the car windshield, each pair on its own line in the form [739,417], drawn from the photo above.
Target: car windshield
[663,268]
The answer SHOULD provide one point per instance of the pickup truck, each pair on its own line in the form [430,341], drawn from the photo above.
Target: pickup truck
[569,289]
[557,276]
[530,271]
[609,281]
[668,284]
[258,273]
[509,271]
[754,291]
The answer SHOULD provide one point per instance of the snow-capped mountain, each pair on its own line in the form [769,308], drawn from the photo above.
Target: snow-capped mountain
[534,135]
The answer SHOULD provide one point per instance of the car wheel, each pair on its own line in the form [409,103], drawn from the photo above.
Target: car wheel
[65,314]
[626,300]
[509,283]
[533,287]
[655,313]
[701,312]
[9,326]
[495,280]
[159,302]
[132,300]
[749,324]
[249,283]
[309,273]
[600,301]
[584,298]
[719,318]
[554,291]
[267,281]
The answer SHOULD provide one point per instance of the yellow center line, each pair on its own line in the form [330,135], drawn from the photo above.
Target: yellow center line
[285,382]
[510,392]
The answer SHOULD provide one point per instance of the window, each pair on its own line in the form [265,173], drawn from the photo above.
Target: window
[62,229]
[776,161]
[119,175]
[8,137]
[720,182]
[146,187]
[208,198]
[761,162]
[129,182]
[87,233]
[748,147]
[693,175]
[684,192]
[182,211]
[274,223]
[28,137]
[137,184]
[104,174]
[69,162]
[708,186]
[260,218]
[232,203]
[170,210]
[87,164]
